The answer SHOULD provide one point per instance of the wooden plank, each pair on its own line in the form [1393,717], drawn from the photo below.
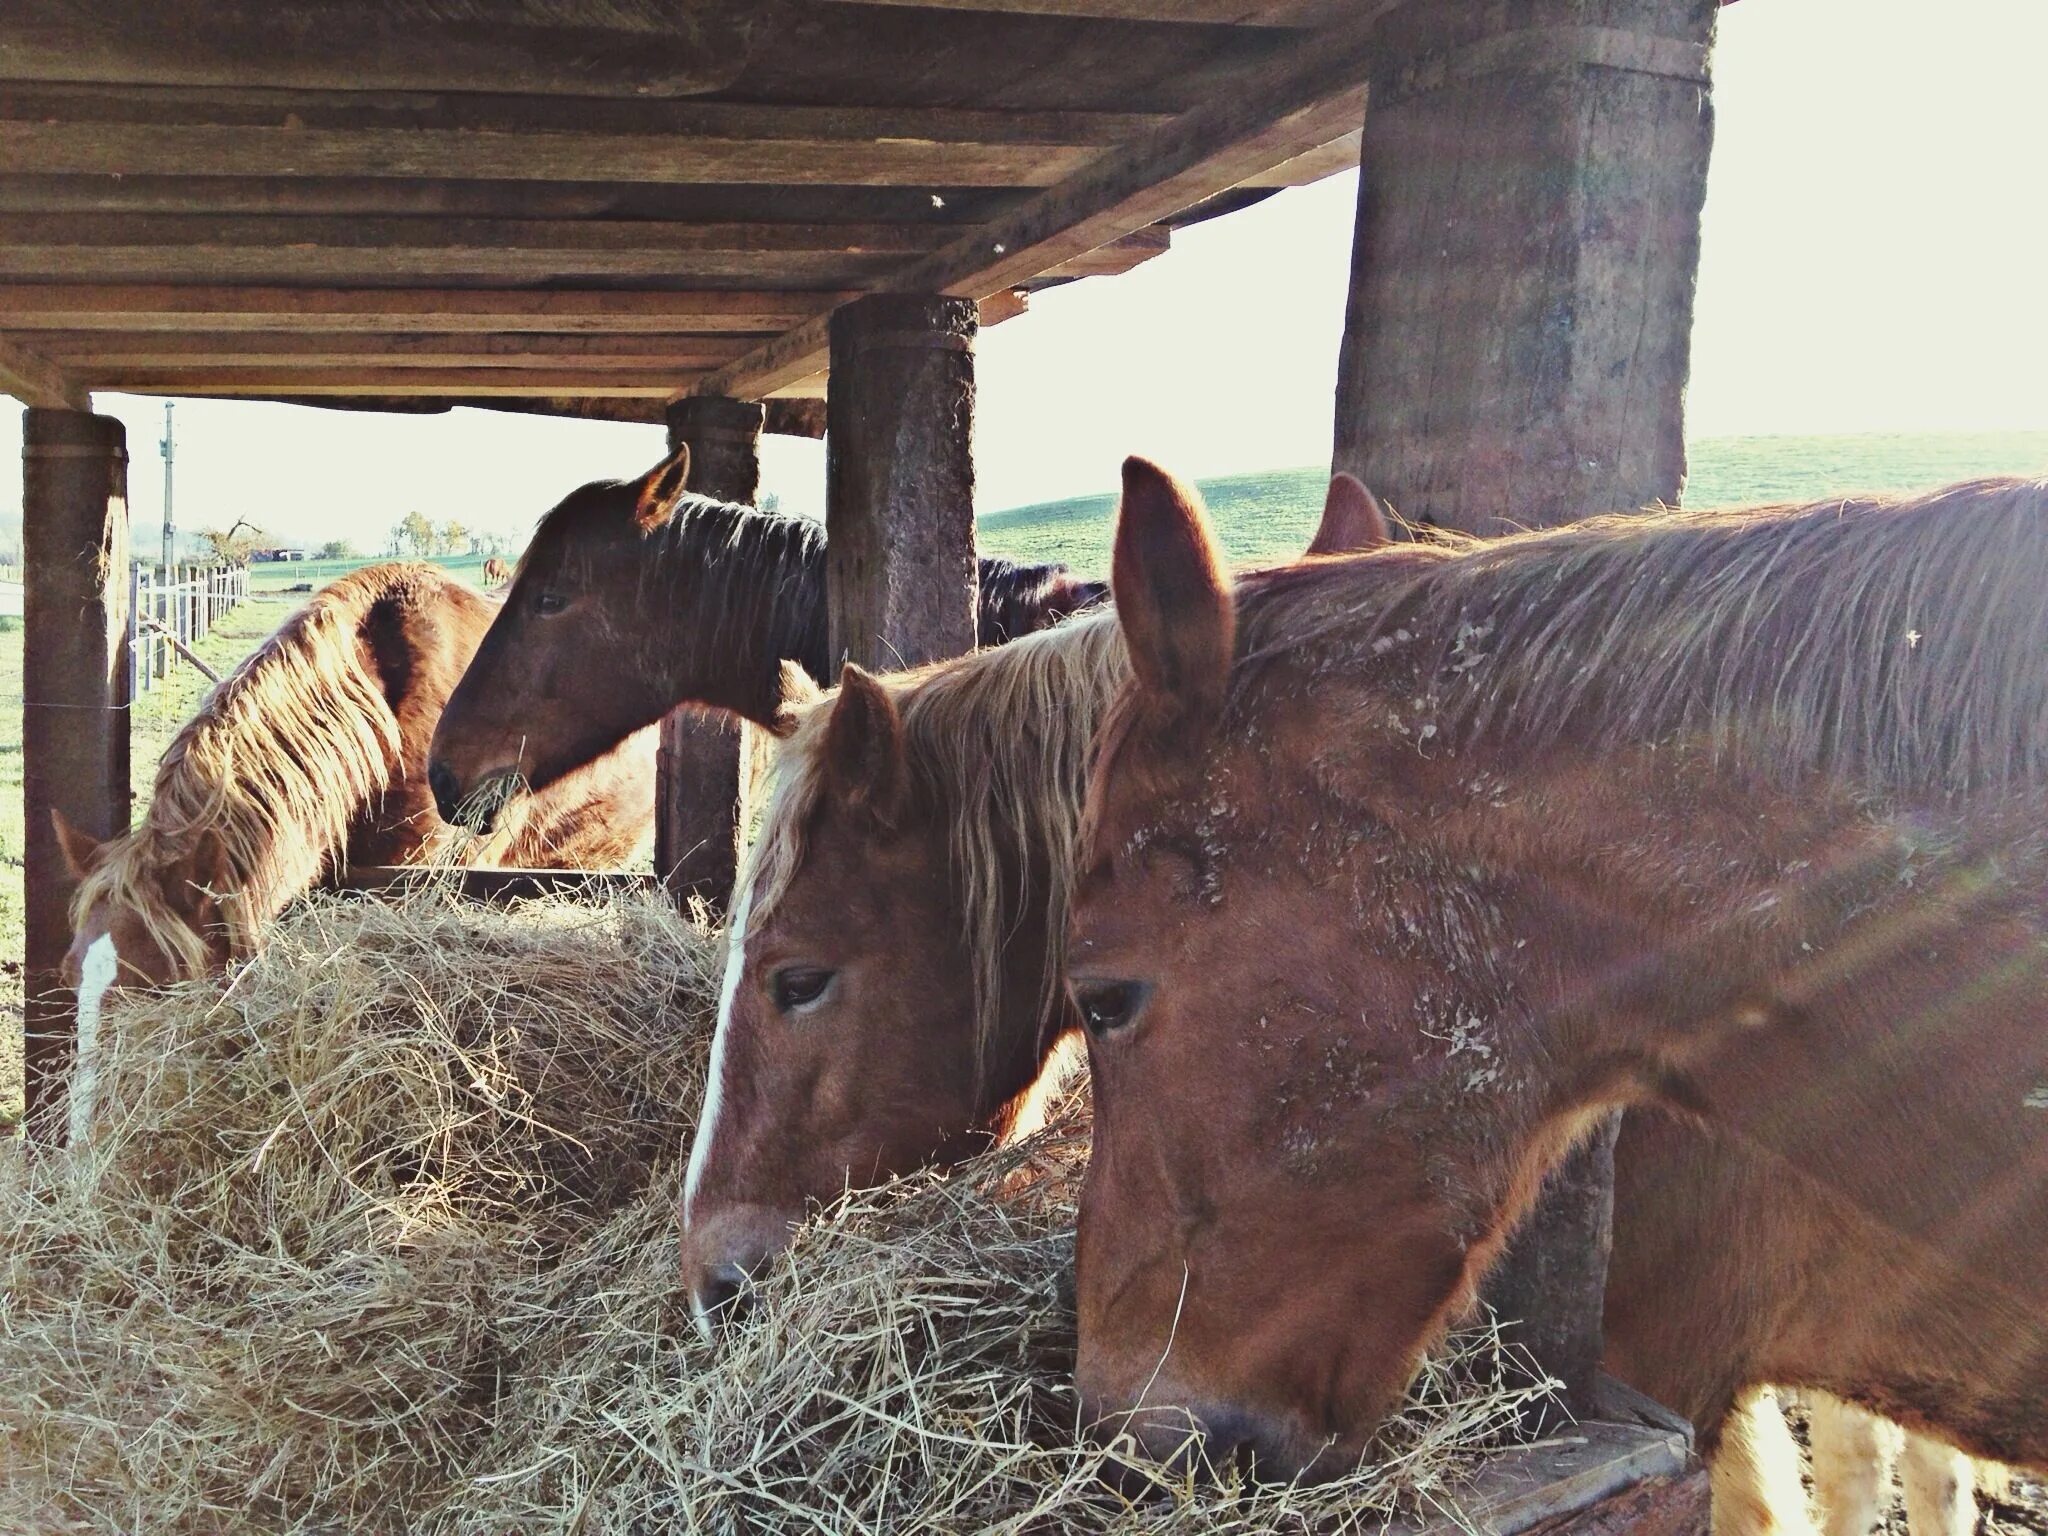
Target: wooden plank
[1306,96]
[1238,12]
[74,697]
[162,307]
[1528,1485]
[143,131]
[34,379]
[612,50]
[795,418]
[445,197]
[92,352]
[284,379]
[355,267]
[290,236]
[1118,256]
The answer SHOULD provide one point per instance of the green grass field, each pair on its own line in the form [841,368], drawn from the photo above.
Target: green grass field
[1260,518]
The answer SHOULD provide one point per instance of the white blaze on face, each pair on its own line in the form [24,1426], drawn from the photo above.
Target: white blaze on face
[714,1078]
[96,973]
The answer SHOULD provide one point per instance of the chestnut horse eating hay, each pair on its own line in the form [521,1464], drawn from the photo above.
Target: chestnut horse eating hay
[636,596]
[306,761]
[1403,870]
[897,932]
[900,944]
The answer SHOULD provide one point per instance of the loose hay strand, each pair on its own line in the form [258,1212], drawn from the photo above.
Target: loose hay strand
[381,1234]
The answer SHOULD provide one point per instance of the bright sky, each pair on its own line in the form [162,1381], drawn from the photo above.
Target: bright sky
[1875,244]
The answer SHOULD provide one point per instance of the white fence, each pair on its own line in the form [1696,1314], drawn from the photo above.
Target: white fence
[170,608]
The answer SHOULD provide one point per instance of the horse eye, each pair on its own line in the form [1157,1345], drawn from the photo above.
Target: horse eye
[1108,1006]
[797,988]
[548,604]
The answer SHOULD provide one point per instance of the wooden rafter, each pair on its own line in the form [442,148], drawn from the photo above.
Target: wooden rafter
[166,307]
[96,354]
[1307,96]
[34,380]
[144,131]
[577,379]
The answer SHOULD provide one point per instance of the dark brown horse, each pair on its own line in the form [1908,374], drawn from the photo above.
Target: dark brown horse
[1402,870]
[303,763]
[635,597]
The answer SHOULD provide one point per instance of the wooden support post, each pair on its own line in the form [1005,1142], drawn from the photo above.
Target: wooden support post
[699,799]
[1515,353]
[899,480]
[74,470]
[1519,329]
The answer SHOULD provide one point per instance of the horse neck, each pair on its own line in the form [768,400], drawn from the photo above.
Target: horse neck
[729,595]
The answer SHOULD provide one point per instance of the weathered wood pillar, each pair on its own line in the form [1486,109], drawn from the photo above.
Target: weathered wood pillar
[699,796]
[1519,329]
[899,479]
[74,503]
[1515,353]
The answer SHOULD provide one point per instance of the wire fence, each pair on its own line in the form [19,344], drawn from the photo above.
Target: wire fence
[170,608]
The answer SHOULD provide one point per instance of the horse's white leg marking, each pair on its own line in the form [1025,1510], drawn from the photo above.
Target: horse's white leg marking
[95,974]
[1941,1497]
[1853,1452]
[714,1078]
[1755,1475]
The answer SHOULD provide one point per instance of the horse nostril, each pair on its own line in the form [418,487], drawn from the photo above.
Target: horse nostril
[720,1299]
[447,791]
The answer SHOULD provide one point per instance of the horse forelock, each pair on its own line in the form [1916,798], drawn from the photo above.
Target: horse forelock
[267,777]
[1895,641]
[997,745]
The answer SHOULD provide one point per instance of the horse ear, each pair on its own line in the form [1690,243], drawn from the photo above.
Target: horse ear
[662,491]
[1172,598]
[1353,519]
[81,851]
[798,692]
[864,747]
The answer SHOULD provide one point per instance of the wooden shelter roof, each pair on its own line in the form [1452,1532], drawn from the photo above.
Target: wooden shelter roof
[591,206]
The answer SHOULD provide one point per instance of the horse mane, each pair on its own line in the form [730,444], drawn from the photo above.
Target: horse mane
[998,741]
[1896,640]
[279,760]
[1014,598]
[743,555]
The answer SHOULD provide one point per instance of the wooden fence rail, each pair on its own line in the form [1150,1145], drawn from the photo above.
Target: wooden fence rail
[172,608]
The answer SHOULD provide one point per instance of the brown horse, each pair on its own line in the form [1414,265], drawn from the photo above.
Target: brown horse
[635,597]
[497,571]
[1403,870]
[940,1008]
[303,763]
[894,986]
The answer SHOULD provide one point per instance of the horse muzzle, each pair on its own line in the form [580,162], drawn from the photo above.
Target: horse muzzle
[477,811]
[1175,1434]
[723,1251]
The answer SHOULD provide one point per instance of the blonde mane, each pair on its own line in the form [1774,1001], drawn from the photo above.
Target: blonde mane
[997,743]
[281,758]
[1897,641]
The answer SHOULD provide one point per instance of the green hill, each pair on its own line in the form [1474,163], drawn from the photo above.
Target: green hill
[1268,516]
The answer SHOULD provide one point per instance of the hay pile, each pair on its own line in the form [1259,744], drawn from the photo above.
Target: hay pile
[382,1236]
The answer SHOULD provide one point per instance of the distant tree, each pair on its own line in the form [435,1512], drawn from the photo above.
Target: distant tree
[495,544]
[234,544]
[454,538]
[413,535]
[772,502]
[339,549]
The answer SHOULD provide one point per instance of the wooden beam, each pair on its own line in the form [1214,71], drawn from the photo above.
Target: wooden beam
[794,418]
[1118,256]
[282,378]
[159,307]
[617,49]
[142,131]
[91,353]
[1260,13]
[1304,97]
[362,266]
[35,380]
